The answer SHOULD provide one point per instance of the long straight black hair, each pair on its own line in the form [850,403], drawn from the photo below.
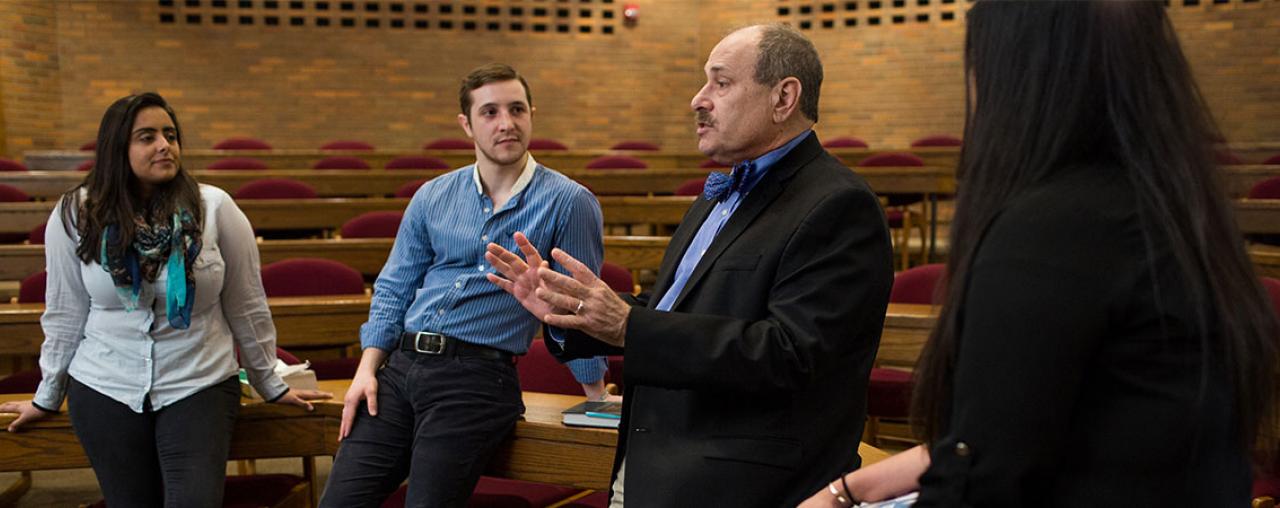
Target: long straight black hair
[1058,83]
[114,193]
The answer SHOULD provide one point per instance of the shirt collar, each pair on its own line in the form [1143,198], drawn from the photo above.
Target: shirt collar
[756,168]
[526,175]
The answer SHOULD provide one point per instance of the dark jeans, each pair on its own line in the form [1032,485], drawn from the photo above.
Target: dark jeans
[176,456]
[439,422]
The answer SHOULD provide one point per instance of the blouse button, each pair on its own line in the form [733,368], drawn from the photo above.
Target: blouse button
[962,449]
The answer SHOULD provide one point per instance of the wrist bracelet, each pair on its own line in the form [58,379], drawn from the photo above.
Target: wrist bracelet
[831,487]
[852,498]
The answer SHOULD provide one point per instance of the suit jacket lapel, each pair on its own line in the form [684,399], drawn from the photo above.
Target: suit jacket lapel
[680,241]
[757,201]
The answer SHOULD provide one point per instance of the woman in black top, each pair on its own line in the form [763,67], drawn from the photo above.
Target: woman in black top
[1105,341]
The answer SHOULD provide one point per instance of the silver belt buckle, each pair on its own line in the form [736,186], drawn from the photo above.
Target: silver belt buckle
[428,343]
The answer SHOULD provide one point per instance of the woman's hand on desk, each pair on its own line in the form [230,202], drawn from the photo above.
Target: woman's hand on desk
[26,411]
[302,398]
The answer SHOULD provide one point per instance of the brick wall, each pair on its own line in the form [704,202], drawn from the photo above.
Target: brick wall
[62,62]
[30,113]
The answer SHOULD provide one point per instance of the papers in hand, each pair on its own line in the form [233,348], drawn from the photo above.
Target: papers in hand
[298,376]
[898,502]
[594,414]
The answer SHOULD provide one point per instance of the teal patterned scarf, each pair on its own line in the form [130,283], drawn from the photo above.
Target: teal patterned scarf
[173,243]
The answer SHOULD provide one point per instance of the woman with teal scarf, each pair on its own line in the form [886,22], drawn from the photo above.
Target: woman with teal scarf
[153,286]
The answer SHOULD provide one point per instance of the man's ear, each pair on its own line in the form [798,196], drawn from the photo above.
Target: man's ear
[465,123]
[785,98]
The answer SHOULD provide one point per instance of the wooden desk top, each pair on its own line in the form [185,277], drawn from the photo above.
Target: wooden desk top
[364,254]
[331,213]
[381,183]
[540,449]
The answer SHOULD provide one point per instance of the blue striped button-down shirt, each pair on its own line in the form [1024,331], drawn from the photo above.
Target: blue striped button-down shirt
[434,279]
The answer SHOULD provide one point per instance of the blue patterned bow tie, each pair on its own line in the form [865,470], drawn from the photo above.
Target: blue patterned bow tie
[719,185]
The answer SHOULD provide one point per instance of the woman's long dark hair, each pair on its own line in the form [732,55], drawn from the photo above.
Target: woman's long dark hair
[1060,83]
[114,193]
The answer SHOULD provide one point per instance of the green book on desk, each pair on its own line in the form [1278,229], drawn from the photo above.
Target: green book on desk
[594,414]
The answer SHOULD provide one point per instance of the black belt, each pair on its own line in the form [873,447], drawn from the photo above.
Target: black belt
[428,343]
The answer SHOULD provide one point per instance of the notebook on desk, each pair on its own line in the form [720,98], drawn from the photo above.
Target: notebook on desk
[605,415]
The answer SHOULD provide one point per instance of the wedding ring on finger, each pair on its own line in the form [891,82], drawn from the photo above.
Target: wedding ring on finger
[581,303]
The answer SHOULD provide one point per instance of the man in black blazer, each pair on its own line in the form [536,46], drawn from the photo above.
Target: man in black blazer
[747,367]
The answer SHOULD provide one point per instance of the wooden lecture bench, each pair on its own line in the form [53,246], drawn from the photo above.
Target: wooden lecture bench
[560,160]
[364,254]
[379,182]
[540,448]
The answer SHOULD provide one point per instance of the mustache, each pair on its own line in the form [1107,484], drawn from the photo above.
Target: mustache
[704,117]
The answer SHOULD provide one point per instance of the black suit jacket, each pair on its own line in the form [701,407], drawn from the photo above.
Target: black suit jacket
[752,390]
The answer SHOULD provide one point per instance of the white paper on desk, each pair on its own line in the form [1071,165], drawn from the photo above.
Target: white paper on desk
[898,502]
[298,377]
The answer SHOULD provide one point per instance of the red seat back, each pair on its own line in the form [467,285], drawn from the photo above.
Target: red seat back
[242,144]
[31,289]
[541,372]
[409,188]
[546,144]
[891,159]
[8,165]
[36,236]
[311,277]
[922,284]
[937,140]
[11,194]
[1266,189]
[691,187]
[617,277]
[275,188]
[382,224]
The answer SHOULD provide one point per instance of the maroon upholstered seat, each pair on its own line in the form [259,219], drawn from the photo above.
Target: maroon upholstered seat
[450,144]
[85,166]
[237,163]
[889,390]
[1274,159]
[635,145]
[691,187]
[541,372]
[340,163]
[409,188]
[918,285]
[844,142]
[310,277]
[25,381]
[89,146]
[316,277]
[8,165]
[546,144]
[416,162]
[617,277]
[31,289]
[381,224]
[346,144]
[242,144]
[11,194]
[891,159]
[711,164]
[36,236]
[616,162]
[1266,189]
[937,140]
[275,188]
[616,371]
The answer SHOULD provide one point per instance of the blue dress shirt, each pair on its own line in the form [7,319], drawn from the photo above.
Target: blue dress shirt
[755,170]
[434,279]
